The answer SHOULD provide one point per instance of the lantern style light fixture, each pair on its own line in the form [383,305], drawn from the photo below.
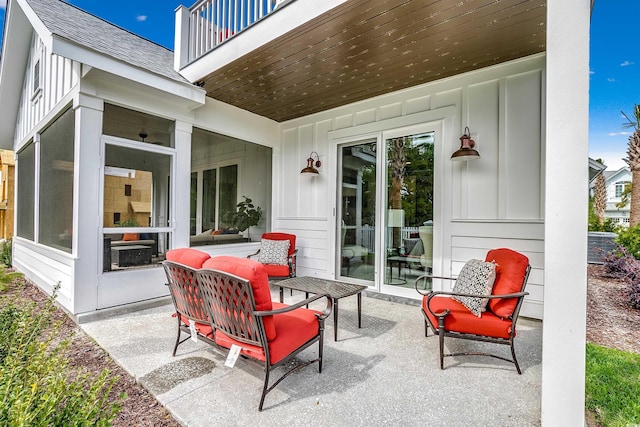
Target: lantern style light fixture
[466,150]
[310,169]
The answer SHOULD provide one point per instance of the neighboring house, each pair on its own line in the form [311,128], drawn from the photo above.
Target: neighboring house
[7,191]
[348,84]
[616,182]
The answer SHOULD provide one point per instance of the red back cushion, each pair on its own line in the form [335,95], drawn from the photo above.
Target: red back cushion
[130,236]
[283,236]
[188,256]
[509,279]
[256,274]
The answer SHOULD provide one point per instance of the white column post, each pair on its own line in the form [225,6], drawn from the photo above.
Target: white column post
[566,182]
[181,193]
[87,242]
[181,38]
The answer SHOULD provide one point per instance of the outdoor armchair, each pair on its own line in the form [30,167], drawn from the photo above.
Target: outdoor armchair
[278,254]
[489,315]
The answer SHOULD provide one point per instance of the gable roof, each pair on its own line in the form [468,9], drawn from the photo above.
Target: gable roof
[72,33]
[623,172]
[84,29]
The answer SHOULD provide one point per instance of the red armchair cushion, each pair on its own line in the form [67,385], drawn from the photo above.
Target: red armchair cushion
[188,256]
[130,237]
[275,270]
[283,236]
[460,319]
[509,279]
[255,273]
[293,328]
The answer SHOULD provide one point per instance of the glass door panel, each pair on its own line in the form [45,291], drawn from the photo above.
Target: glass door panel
[357,212]
[408,213]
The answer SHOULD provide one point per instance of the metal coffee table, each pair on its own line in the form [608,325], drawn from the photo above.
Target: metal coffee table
[333,288]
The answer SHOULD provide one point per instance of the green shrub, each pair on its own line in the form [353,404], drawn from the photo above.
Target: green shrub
[6,277]
[38,386]
[5,252]
[630,239]
[609,225]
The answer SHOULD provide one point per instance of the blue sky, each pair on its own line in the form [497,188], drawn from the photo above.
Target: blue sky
[615,59]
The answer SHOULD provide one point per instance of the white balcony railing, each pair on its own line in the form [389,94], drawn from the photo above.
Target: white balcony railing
[212,22]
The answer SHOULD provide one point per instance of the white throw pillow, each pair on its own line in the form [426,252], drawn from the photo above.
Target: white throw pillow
[274,252]
[477,278]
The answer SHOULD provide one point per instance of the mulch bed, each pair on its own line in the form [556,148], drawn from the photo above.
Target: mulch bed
[611,321]
[140,408]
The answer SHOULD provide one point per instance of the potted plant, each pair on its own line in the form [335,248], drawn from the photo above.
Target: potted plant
[247,215]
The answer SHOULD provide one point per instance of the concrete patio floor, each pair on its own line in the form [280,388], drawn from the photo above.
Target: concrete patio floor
[385,373]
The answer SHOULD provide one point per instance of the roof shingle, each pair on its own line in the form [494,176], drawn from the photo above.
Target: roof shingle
[89,31]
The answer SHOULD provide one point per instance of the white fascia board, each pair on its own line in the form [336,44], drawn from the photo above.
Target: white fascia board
[193,94]
[278,23]
[13,62]
[38,26]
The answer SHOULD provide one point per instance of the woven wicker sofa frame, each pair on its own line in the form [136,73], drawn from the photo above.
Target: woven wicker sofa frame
[223,310]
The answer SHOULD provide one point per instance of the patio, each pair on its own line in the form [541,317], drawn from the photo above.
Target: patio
[385,373]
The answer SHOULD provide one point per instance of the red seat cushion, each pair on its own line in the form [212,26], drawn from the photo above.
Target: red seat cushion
[293,328]
[202,328]
[460,319]
[509,279]
[188,256]
[275,270]
[256,274]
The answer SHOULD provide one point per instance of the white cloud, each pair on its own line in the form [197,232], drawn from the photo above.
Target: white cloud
[626,63]
[619,133]
[141,18]
[611,80]
[3,4]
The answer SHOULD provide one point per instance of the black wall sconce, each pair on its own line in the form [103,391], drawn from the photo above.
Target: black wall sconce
[310,169]
[466,150]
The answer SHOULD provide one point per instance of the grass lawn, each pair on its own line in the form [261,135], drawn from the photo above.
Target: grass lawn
[613,386]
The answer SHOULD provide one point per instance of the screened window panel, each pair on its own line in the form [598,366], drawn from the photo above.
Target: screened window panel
[26,193]
[56,183]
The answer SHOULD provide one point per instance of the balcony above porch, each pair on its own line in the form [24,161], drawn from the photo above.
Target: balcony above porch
[287,59]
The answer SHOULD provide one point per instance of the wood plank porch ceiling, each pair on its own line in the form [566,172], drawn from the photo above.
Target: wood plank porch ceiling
[365,48]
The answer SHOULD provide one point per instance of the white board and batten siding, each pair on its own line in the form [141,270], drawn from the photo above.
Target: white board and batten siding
[57,77]
[497,201]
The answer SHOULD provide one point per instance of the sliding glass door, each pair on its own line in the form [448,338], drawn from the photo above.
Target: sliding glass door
[357,212]
[408,208]
[386,210]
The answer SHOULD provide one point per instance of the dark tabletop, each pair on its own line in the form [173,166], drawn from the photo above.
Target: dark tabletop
[315,285]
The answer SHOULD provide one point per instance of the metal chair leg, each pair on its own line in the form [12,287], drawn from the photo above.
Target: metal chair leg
[175,348]
[515,361]
[441,340]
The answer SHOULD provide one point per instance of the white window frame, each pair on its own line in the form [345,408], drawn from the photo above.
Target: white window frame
[199,195]
[37,77]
